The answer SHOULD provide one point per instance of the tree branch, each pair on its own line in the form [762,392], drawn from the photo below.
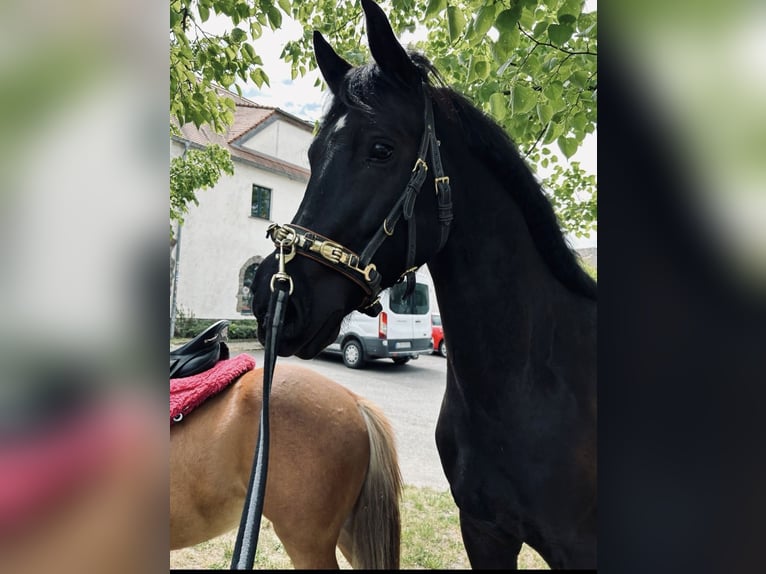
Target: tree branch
[537,141]
[559,48]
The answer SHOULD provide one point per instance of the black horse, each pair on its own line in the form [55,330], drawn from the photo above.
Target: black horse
[517,429]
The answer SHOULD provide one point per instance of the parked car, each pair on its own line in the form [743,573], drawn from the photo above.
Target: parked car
[401,331]
[437,333]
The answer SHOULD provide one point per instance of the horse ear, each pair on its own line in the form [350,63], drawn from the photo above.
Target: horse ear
[386,49]
[332,66]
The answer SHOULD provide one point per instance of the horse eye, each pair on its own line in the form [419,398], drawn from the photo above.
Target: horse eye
[380,151]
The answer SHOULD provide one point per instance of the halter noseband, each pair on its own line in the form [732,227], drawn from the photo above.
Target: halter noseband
[359,268]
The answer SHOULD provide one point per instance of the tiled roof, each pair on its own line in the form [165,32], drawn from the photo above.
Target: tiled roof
[248,115]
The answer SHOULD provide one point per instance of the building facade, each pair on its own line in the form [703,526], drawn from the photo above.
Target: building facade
[223,239]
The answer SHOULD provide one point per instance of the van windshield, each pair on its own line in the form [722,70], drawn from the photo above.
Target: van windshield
[416,304]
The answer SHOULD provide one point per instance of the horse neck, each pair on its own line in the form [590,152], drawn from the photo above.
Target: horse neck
[496,294]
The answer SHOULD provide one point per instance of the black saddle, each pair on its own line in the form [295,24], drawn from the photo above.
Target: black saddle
[202,352]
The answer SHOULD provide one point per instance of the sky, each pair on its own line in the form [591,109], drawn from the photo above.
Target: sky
[301,98]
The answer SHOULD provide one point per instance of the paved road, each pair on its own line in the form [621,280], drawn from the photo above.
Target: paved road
[410,395]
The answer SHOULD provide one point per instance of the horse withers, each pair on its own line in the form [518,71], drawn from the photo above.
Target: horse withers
[404,173]
[333,478]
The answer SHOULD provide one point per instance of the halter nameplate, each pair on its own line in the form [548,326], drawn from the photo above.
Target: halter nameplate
[311,244]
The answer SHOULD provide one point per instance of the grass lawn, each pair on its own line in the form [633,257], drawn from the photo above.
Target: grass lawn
[430,540]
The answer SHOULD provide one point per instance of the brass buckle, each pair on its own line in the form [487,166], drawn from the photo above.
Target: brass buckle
[331,251]
[420,162]
[282,235]
[438,180]
[282,275]
[368,271]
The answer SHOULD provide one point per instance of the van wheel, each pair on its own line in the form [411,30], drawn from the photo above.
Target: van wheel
[401,360]
[443,348]
[353,356]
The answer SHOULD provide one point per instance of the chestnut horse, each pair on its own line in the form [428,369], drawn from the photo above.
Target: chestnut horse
[333,479]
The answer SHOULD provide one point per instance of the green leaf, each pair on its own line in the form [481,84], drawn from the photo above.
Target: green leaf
[249,51]
[508,41]
[255,29]
[481,69]
[484,20]
[498,105]
[553,91]
[244,10]
[568,146]
[434,7]
[553,131]
[285,5]
[579,121]
[539,28]
[275,17]
[238,35]
[559,33]
[544,113]
[522,99]
[507,19]
[204,13]
[257,77]
[571,8]
[549,64]
[455,23]
[579,78]
[175,17]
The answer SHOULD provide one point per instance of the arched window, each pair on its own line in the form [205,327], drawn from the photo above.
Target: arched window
[244,291]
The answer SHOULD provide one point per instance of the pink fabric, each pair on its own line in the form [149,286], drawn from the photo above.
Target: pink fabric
[188,393]
[38,470]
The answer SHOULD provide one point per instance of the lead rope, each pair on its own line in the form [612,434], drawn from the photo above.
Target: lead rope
[250,523]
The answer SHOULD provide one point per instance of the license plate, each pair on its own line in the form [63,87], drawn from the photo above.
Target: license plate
[404,345]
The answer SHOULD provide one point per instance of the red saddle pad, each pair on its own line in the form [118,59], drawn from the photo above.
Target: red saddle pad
[188,393]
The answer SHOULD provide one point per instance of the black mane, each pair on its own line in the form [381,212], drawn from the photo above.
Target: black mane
[490,142]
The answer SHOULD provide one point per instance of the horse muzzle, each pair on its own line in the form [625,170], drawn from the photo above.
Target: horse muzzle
[315,309]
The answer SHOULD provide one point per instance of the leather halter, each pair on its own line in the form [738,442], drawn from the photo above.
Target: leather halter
[359,268]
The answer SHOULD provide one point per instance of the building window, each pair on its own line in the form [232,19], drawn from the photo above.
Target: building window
[261,203]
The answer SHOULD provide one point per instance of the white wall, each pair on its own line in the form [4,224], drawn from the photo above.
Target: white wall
[219,236]
[281,140]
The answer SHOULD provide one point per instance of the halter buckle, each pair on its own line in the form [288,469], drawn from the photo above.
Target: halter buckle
[331,251]
[438,180]
[418,163]
[367,272]
[282,275]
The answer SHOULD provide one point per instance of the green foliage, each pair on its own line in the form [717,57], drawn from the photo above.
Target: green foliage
[199,59]
[574,197]
[197,169]
[589,269]
[188,327]
[531,64]
[244,329]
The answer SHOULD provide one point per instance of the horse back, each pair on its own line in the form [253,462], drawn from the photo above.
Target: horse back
[318,457]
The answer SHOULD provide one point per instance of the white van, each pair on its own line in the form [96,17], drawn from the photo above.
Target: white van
[401,331]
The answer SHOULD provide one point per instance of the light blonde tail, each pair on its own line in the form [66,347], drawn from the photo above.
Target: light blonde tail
[374,527]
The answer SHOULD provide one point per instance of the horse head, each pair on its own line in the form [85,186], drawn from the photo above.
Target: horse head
[363,223]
